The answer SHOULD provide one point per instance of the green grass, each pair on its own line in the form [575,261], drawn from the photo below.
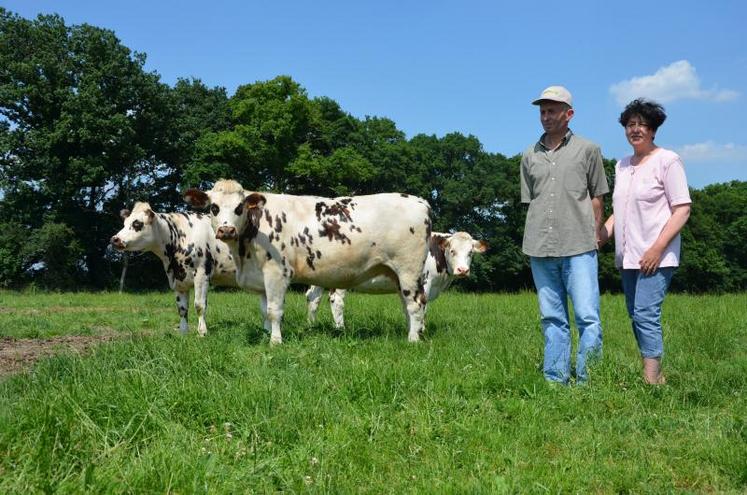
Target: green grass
[363,411]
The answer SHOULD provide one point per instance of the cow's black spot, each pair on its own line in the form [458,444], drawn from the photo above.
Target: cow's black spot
[278,224]
[318,254]
[137,225]
[269,256]
[268,217]
[404,195]
[405,293]
[412,230]
[435,250]
[332,231]
[208,262]
[176,268]
[318,208]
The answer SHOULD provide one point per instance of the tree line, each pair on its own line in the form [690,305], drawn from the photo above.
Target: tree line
[86,131]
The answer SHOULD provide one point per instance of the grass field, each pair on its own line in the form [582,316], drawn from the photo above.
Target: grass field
[363,411]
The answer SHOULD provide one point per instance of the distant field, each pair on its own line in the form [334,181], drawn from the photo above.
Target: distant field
[118,402]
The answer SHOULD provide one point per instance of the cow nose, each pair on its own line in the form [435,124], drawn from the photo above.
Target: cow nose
[462,271]
[117,242]
[225,232]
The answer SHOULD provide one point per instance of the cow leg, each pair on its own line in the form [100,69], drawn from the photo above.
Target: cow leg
[414,301]
[337,302]
[263,310]
[183,309]
[201,290]
[313,298]
[275,289]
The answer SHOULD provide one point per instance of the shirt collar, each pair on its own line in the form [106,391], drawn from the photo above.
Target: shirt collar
[565,140]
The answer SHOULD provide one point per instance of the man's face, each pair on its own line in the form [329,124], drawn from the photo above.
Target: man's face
[555,116]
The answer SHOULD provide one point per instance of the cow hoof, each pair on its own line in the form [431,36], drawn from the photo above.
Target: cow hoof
[275,341]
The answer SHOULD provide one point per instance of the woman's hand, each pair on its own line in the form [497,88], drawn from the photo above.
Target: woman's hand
[650,260]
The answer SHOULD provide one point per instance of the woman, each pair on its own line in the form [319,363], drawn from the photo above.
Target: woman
[651,204]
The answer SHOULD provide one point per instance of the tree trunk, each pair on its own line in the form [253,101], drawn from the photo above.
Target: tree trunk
[125,262]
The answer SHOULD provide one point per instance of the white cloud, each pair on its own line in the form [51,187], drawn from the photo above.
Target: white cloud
[676,81]
[710,152]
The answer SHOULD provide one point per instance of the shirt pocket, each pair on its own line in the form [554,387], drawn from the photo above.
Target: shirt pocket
[575,182]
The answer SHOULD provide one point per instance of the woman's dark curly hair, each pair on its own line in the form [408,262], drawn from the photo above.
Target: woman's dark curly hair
[650,111]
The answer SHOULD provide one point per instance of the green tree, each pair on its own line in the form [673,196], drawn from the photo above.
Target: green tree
[81,122]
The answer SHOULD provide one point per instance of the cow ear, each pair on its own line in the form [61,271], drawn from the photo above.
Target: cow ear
[479,246]
[124,213]
[443,242]
[149,215]
[196,198]
[255,200]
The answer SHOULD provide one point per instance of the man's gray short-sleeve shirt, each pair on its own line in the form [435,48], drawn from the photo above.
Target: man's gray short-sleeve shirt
[559,185]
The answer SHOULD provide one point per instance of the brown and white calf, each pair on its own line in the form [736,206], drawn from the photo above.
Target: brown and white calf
[191,255]
[329,242]
[449,257]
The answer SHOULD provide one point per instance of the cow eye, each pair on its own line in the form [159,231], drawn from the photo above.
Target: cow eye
[239,209]
[137,225]
[214,209]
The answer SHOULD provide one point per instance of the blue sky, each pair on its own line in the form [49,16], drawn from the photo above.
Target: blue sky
[471,66]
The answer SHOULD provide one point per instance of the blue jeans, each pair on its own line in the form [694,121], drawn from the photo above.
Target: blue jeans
[556,278]
[644,295]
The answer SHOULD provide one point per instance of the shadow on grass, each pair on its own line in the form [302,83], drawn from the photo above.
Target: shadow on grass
[386,327]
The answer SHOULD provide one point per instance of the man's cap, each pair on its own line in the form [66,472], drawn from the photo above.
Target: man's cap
[555,93]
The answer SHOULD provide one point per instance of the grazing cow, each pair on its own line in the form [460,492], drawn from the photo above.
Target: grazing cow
[449,256]
[339,242]
[190,253]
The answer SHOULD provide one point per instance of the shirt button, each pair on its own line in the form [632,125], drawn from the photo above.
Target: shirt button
[553,163]
[550,228]
[553,178]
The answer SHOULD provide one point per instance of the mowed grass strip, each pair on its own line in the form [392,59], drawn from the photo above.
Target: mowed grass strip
[362,410]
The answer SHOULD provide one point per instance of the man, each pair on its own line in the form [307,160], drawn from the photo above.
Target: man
[562,180]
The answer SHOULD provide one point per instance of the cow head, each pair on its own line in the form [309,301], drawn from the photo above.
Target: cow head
[137,233]
[233,211]
[458,249]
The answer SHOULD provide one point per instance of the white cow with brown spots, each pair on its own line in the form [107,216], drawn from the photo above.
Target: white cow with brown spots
[449,257]
[329,242]
[188,249]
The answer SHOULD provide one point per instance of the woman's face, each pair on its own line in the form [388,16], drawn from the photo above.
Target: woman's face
[638,132]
